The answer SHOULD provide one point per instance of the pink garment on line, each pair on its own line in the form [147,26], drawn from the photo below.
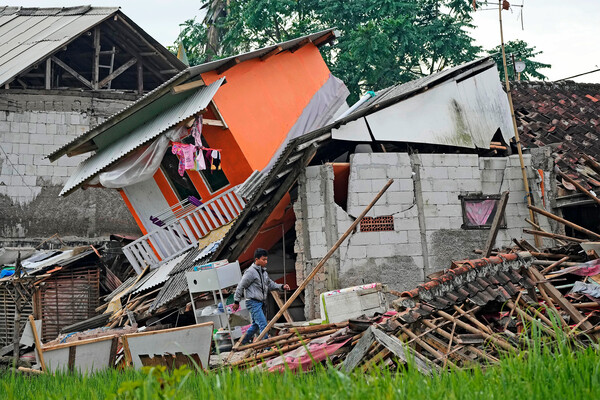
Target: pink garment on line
[185,153]
[479,212]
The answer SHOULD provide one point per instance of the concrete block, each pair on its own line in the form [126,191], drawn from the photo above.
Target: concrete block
[406,224]
[313,185]
[378,184]
[360,186]
[400,172]
[42,118]
[314,198]
[356,251]
[384,158]
[317,211]
[49,148]
[40,128]
[463,172]
[357,159]
[393,237]
[51,129]
[315,225]
[435,198]
[434,172]
[364,238]
[27,128]
[60,171]
[469,185]
[37,139]
[4,126]
[364,199]
[400,198]
[371,172]
[36,149]
[312,172]
[75,119]
[437,223]
[51,117]
[427,185]
[468,160]
[7,147]
[493,163]
[381,250]
[446,185]
[450,210]
[318,251]
[410,249]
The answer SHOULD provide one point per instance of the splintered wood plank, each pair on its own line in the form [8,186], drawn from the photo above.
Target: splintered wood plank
[359,351]
[560,299]
[403,352]
[491,240]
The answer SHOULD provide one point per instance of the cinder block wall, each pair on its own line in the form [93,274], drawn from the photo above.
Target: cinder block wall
[425,204]
[32,126]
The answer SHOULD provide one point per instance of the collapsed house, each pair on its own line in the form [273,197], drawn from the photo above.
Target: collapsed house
[258,150]
[63,71]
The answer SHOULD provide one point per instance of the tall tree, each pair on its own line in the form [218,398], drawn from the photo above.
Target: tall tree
[382,43]
[522,52]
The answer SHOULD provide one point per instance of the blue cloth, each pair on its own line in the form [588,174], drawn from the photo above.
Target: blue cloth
[6,272]
[259,321]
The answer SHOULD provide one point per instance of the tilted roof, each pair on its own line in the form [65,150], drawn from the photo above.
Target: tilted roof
[29,35]
[566,114]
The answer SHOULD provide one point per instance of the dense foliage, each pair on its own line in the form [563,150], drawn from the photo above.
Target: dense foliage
[381,44]
[521,52]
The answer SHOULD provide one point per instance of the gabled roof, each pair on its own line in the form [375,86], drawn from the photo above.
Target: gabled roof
[566,114]
[467,100]
[145,126]
[82,143]
[29,35]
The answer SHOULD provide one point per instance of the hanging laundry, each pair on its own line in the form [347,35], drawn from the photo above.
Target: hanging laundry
[216,156]
[208,158]
[200,161]
[185,153]
[196,130]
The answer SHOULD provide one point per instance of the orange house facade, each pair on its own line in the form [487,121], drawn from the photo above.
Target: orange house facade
[244,110]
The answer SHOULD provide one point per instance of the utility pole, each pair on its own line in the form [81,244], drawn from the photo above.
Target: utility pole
[532,215]
[17,326]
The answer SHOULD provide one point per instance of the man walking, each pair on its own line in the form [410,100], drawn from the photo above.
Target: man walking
[255,286]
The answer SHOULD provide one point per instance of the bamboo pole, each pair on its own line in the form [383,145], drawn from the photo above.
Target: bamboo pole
[323,261]
[564,222]
[538,241]
[539,228]
[577,185]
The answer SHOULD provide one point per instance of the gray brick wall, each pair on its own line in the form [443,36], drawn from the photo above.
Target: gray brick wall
[396,258]
[31,127]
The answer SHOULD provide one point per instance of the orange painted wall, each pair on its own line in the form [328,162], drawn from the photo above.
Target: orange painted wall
[262,99]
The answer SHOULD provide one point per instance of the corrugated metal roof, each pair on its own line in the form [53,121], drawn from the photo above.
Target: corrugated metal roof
[161,275]
[28,35]
[177,113]
[181,77]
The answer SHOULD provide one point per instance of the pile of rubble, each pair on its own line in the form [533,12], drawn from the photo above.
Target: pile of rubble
[472,313]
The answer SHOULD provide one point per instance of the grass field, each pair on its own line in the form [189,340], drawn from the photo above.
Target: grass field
[535,374]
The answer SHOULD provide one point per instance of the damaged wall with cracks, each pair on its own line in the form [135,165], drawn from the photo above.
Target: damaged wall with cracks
[426,207]
[32,125]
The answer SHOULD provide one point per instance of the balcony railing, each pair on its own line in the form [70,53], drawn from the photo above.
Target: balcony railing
[183,233]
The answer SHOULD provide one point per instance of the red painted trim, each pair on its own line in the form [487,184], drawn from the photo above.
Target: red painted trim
[165,187]
[132,211]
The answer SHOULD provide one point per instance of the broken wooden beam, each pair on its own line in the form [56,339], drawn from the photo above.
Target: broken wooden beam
[564,222]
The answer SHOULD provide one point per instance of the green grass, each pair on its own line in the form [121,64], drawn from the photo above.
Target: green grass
[537,374]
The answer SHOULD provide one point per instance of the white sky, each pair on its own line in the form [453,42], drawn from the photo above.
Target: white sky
[568,32]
